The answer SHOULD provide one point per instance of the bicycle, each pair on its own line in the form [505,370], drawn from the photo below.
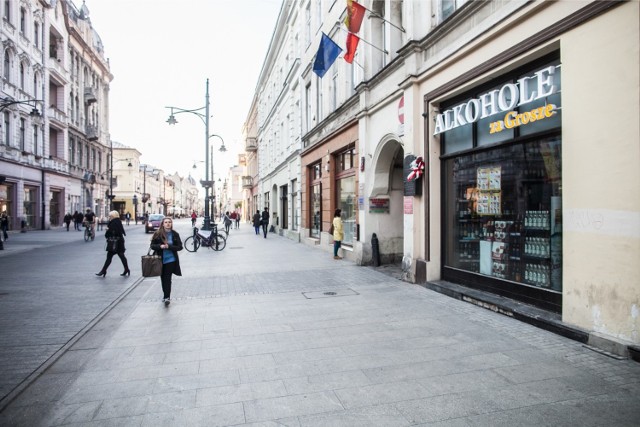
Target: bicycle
[89,232]
[214,241]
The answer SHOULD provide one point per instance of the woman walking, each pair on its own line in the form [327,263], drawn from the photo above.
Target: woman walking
[166,243]
[256,222]
[338,233]
[115,230]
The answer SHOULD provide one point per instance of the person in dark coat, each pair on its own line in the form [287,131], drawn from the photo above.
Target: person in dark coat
[115,230]
[67,219]
[77,221]
[256,222]
[265,221]
[166,243]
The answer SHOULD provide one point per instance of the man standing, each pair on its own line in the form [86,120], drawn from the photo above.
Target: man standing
[265,221]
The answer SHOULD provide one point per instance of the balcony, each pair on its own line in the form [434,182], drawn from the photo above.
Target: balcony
[247,182]
[89,96]
[251,144]
[92,133]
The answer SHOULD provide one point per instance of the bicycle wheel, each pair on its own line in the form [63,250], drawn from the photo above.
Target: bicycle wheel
[191,244]
[87,235]
[219,242]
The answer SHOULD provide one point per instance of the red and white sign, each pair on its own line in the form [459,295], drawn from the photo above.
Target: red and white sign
[401,110]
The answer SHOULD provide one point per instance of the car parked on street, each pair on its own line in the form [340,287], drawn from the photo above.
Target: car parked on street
[154,222]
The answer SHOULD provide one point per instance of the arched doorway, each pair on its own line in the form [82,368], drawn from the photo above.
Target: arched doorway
[387,190]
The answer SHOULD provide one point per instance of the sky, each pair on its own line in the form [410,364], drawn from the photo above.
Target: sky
[161,53]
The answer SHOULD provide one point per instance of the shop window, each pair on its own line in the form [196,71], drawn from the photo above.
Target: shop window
[504,213]
[29,205]
[346,193]
[316,210]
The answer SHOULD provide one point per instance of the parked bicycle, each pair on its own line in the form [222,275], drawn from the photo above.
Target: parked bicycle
[214,241]
[89,232]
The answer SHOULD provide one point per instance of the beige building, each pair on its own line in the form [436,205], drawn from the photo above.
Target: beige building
[520,121]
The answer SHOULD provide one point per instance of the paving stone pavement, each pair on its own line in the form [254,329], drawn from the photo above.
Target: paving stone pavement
[271,332]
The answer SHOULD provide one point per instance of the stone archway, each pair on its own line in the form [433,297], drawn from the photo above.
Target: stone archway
[388,184]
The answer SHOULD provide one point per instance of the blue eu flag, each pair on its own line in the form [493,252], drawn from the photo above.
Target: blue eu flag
[327,54]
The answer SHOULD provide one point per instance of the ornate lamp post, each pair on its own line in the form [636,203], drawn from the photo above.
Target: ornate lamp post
[205,119]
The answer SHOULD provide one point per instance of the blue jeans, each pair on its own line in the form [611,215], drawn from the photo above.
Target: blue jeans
[336,246]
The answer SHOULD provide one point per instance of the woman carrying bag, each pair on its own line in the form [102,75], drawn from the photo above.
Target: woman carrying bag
[115,244]
[166,243]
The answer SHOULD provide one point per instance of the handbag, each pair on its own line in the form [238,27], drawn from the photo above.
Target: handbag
[112,244]
[151,265]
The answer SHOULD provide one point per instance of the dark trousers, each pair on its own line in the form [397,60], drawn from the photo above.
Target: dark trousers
[257,227]
[68,223]
[265,228]
[167,272]
[336,246]
[110,255]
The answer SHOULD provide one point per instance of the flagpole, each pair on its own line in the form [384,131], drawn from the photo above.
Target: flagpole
[385,20]
[364,41]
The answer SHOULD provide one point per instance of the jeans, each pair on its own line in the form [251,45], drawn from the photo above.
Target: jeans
[336,246]
[165,278]
[265,228]
[257,227]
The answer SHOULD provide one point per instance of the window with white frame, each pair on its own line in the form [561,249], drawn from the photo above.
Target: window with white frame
[7,10]
[307,29]
[334,88]
[319,113]
[23,136]
[6,129]
[35,140]
[308,104]
[36,34]
[447,7]
[22,75]
[23,21]
[7,66]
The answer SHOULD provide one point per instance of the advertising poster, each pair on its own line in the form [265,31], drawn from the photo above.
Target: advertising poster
[489,190]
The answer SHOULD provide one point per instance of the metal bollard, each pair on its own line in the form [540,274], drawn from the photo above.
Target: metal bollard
[375,249]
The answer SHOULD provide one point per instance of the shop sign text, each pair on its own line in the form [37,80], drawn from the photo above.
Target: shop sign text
[512,119]
[508,97]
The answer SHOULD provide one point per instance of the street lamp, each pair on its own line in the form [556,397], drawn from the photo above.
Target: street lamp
[145,196]
[8,101]
[111,196]
[205,119]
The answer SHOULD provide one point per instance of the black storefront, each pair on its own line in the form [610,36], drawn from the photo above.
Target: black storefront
[502,185]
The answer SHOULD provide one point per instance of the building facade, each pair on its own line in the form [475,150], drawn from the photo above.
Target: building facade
[484,103]
[55,130]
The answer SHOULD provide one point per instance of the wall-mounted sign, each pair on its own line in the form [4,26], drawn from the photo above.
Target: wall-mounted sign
[378,205]
[408,205]
[511,95]
[512,119]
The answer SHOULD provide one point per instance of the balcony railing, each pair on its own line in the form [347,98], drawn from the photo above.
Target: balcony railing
[92,133]
[89,95]
[251,144]
[247,182]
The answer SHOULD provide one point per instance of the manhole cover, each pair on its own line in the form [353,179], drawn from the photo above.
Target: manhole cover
[327,294]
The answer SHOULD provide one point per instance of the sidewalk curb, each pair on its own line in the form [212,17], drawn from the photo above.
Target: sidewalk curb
[11,396]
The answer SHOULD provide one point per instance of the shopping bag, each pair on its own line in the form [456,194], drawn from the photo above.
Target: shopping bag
[151,265]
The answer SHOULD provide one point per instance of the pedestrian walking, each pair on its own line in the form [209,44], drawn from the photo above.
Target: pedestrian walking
[4,225]
[338,232]
[227,222]
[115,230]
[256,222]
[67,219]
[265,221]
[127,217]
[166,243]
[194,217]
[77,220]
[237,220]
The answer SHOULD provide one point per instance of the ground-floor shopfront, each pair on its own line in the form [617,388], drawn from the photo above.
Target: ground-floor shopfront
[330,182]
[532,168]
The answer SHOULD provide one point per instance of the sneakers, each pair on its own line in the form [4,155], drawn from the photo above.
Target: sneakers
[337,257]
[166,301]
